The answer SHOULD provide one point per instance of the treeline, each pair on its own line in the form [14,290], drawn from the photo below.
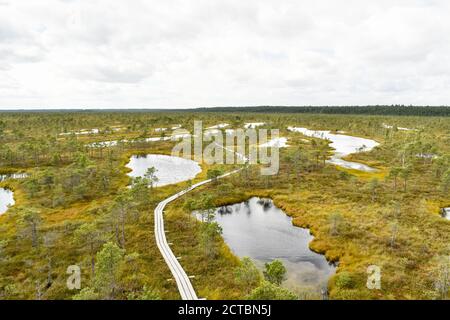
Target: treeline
[394,110]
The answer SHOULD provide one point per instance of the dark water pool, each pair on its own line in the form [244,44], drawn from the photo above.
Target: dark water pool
[259,230]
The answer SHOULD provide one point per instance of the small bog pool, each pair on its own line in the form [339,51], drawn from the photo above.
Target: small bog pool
[258,229]
[343,146]
[170,169]
[6,199]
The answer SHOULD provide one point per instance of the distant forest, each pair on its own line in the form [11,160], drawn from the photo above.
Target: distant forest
[394,110]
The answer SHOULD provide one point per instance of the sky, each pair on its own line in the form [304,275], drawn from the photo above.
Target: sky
[206,53]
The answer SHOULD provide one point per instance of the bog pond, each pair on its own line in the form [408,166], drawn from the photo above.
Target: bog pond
[446,213]
[6,199]
[169,169]
[258,229]
[343,146]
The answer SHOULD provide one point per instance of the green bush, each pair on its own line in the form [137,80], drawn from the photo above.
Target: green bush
[270,291]
[345,280]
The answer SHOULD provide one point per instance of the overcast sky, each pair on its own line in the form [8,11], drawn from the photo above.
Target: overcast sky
[195,53]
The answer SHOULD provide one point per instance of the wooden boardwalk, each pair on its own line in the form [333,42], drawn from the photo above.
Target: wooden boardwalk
[184,284]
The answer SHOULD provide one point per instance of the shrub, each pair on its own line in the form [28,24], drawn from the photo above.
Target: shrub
[270,291]
[345,280]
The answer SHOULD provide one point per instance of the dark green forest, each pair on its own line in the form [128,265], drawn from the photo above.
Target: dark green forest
[388,110]
[393,110]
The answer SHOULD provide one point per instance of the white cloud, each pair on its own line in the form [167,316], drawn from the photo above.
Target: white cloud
[189,53]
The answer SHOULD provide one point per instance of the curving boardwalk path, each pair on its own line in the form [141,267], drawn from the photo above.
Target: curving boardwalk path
[184,284]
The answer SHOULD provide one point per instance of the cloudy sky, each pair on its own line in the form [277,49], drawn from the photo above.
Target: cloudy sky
[192,53]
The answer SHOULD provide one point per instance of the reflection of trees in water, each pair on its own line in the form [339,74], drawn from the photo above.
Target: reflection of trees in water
[265,203]
[445,213]
[247,207]
[225,210]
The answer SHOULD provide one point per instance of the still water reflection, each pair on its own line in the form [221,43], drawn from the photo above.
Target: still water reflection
[259,230]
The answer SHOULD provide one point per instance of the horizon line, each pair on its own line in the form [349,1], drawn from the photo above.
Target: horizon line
[17,109]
